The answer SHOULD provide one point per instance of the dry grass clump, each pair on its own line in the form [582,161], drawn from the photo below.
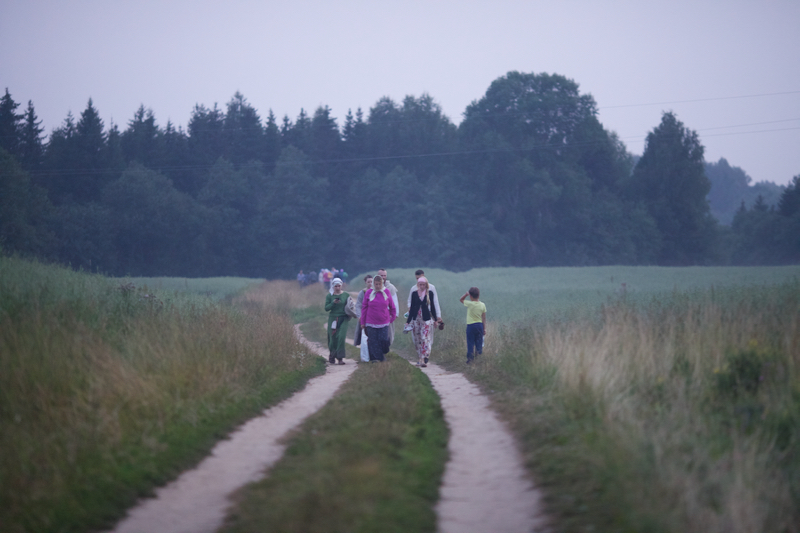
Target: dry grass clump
[109,389]
[284,296]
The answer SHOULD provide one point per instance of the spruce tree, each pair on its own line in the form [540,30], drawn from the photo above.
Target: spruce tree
[10,125]
[31,149]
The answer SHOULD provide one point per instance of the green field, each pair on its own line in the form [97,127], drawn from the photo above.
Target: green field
[109,388]
[520,294]
[670,405]
[643,398]
[213,288]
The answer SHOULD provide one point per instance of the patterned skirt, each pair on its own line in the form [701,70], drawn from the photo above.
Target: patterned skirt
[422,333]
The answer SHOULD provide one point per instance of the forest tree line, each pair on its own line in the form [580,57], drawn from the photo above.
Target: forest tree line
[529,178]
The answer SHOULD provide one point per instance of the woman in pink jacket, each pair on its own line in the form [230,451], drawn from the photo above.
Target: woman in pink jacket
[377,315]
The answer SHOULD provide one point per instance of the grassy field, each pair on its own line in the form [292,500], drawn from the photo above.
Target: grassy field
[213,288]
[643,398]
[110,387]
[515,295]
[672,405]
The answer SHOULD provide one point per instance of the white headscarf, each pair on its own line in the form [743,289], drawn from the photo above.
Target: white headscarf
[334,282]
[374,292]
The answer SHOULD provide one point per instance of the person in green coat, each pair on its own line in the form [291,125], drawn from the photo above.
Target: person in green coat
[335,303]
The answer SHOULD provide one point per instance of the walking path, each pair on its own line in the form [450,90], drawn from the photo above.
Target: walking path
[484,488]
[196,502]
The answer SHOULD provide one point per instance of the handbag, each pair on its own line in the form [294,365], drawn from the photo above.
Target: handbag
[350,308]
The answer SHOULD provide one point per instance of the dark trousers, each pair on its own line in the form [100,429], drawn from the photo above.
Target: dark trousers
[377,342]
[474,339]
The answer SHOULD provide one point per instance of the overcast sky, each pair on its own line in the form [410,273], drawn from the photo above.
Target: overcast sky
[729,69]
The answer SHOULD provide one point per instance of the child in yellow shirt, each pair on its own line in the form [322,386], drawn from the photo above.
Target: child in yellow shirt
[476,322]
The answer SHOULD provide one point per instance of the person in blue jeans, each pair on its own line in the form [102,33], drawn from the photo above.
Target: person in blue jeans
[476,322]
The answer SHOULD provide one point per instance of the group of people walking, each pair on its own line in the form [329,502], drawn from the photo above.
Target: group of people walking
[325,276]
[376,308]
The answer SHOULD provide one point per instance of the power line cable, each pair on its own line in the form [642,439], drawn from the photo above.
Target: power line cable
[559,146]
[701,100]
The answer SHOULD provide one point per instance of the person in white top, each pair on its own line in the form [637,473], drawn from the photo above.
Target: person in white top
[393,292]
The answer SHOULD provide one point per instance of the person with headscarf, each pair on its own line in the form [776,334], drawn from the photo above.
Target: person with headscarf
[335,302]
[418,274]
[392,290]
[361,337]
[422,317]
[377,316]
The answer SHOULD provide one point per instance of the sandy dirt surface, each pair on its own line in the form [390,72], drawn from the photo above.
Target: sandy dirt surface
[485,487]
[196,502]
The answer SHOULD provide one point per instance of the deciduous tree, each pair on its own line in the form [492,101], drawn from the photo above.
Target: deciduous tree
[523,141]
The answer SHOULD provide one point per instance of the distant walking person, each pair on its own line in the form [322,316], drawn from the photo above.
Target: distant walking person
[301,279]
[335,303]
[377,317]
[476,322]
[422,316]
[361,336]
[393,292]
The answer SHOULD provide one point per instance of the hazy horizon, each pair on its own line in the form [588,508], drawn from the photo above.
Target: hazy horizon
[727,69]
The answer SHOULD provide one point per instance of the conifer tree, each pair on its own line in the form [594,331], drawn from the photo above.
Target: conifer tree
[31,150]
[142,140]
[10,124]
[90,162]
[242,131]
[206,137]
[272,143]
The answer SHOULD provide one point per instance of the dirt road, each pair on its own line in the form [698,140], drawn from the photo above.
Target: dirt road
[484,489]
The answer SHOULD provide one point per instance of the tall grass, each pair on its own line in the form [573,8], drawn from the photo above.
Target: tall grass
[680,414]
[645,398]
[108,389]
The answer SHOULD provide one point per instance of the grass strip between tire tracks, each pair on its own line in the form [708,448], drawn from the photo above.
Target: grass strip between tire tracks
[370,460]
